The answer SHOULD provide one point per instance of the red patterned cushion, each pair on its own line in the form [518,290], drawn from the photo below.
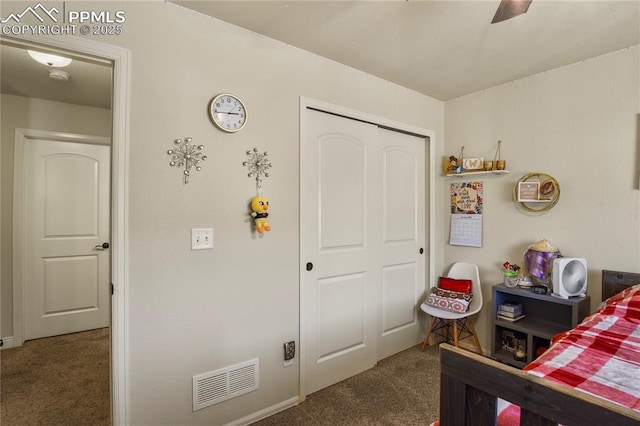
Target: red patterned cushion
[461,286]
[449,300]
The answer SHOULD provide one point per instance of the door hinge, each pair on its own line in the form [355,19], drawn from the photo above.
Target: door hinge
[111,288]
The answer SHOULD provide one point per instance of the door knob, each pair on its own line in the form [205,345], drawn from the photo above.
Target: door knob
[102,246]
[421,250]
[309,266]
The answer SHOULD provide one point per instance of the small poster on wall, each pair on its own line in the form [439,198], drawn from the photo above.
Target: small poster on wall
[466,214]
[528,191]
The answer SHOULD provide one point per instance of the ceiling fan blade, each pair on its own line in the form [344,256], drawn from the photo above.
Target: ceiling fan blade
[510,8]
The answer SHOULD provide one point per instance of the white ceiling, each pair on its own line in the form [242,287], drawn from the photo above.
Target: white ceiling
[89,83]
[444,49]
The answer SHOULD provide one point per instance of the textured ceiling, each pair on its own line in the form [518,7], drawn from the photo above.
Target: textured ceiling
[444,49]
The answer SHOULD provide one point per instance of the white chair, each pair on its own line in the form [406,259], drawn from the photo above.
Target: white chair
[461,322]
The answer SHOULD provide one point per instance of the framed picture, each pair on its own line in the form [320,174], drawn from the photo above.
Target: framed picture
[509,341]
[528,191]
[473,163]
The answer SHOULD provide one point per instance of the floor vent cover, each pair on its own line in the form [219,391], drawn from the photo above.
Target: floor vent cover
[226,383]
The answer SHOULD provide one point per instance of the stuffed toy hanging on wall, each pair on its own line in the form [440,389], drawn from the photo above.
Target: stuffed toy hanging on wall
[258,165]
[260,205]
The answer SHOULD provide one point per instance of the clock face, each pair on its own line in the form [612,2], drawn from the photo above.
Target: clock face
[228,113]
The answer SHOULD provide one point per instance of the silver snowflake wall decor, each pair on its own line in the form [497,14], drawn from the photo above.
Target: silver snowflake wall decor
[258,165]
[187,156]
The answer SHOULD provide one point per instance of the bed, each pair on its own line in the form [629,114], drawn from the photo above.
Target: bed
[476,390]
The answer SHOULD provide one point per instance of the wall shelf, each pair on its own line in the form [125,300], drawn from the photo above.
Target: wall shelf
[536,181]
[481,172]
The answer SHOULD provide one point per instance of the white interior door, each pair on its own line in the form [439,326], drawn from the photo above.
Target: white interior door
[339,204]
[66,211]
[403,239]
[362,228]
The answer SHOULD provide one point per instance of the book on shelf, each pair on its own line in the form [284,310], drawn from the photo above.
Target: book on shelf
[509,314]
[507,306]
[510,319]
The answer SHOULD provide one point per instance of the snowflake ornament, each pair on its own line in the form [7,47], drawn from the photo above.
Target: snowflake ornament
[258,164]
[187,156]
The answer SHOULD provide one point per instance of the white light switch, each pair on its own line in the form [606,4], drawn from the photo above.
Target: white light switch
[201,238]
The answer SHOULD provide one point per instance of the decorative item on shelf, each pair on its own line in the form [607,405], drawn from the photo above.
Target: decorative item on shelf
[536,192]
[473,163]
[187,156]
[520,354]
[488,165]
[498,163]
[511,272]
[452,165]
[540,289]
[258,166]
[538,261]
[508,340]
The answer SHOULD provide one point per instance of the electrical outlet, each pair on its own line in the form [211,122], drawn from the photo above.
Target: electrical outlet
[201,238]
[289,353]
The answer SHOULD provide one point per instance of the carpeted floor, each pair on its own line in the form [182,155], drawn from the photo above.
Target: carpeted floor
[41,384]
[403,389]
[62,380]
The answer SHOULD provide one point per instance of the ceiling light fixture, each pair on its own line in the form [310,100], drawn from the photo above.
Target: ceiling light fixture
[49,59]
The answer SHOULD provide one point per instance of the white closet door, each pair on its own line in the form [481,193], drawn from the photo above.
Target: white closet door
[340,206]
[403,237]
[362,221]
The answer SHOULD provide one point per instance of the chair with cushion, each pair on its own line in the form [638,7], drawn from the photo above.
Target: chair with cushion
[451,304]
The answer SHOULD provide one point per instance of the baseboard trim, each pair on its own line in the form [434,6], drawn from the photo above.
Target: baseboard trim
[262,414]
[7,342]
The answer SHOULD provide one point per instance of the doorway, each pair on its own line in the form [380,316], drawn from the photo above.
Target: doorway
[362,240]
[118,60]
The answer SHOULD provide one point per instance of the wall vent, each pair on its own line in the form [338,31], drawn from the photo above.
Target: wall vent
[226,383]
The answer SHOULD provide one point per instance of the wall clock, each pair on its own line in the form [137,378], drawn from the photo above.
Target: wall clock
[228,112]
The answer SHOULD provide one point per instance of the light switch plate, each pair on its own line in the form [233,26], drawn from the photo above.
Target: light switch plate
[201,238]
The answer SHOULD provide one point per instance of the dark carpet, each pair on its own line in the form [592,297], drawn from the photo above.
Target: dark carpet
[403,389]
[62,380]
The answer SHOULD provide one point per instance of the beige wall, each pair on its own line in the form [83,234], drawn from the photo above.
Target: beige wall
[195,311]
[580,125]
[37,114]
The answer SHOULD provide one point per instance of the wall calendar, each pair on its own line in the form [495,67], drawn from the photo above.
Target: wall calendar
[466,214]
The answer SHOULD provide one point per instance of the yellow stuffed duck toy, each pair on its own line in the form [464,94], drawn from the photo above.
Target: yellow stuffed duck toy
[260,205]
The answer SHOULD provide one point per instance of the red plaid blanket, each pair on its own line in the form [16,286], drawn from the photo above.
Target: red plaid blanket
[601,356]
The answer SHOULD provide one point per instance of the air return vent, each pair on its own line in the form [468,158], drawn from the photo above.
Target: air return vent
[226,383]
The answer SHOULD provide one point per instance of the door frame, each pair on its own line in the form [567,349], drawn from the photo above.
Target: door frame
[120,58]
[429,135]
[19,213]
